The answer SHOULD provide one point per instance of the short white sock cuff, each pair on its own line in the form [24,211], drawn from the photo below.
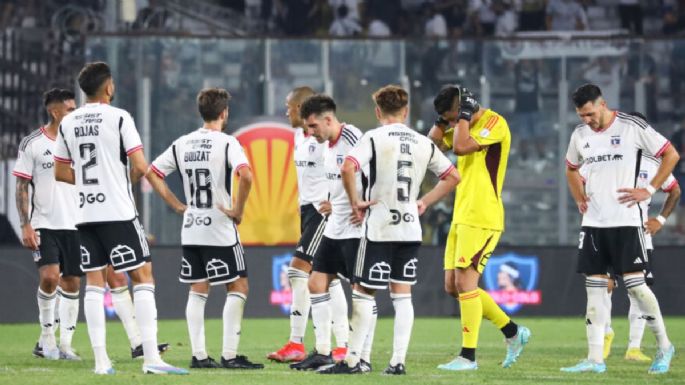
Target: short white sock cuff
[68,295]
[201,296]
[95,290]
[118,290]
[400,297]
[237,294]
[320,298]
[335,282]
[634,281]
[144,287]
[596,282]
[46,296]
[294,273]
[361,296]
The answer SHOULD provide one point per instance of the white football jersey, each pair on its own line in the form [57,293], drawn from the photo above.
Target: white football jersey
[611,157]
[339,225]
[648,168]
[398,158]
[52,204]
[206,161]
[312,185]
[97,139]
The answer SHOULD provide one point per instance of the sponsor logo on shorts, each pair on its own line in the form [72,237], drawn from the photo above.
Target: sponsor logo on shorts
[380,272]
[216,268]
[121,255]
[186,268]
[85,256]
[410,268]
[512,279]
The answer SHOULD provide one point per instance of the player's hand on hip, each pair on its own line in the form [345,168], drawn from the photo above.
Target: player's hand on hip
[652,226]
[29,237]
[233,213]
[181,209]
[359,210]
[633,196]
[421,206]
[582,204]
[325,208]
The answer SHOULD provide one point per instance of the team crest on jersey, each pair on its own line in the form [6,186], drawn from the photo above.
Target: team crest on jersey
[512,279]
[643,175]
[312,148]
[339,159]
[281,294]
[615,141]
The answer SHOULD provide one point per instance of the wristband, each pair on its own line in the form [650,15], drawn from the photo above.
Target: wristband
[661,219]
[651,189]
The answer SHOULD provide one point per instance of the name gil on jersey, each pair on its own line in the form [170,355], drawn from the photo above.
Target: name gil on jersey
[196,156]
[603,158]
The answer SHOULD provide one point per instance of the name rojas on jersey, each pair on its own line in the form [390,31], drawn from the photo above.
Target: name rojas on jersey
[312,185]
[97,140]
[610,159]
[52,204]
[338,225]
[397,158]
[206,161]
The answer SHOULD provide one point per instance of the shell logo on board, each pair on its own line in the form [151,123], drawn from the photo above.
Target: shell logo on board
[272,212]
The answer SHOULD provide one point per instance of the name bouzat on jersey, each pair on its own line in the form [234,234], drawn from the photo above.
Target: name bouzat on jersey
[207,161]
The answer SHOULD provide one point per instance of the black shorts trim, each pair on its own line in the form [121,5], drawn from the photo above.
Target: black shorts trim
[312,225]
[60,247]
[616,250]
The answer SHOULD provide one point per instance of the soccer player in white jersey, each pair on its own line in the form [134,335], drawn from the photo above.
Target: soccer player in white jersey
[104,147]
[206,160]
[398,158]
[340,238]
[314,207]
[610,145]
[48,229]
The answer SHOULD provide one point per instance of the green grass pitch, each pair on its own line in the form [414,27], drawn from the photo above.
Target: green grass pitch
[555,343]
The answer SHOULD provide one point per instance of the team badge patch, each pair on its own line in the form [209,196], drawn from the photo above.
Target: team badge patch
[615,141]
[512,279]
[281,294]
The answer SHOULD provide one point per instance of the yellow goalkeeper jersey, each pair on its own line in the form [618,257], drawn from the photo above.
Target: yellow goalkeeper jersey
[478,200]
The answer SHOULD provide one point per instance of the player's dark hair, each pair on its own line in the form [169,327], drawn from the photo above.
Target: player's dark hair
[445,99]
[57,95]
[586,93]
[93,76]
[391,99]
[211,102]
[317,105]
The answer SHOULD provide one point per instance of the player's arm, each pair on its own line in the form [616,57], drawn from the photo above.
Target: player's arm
[437,133]
[159,185]
[244,186]
[29,238]
[632,196]
[64,172]
[349,180]
[139,166]
[575,185]
[653,225]
[445,186]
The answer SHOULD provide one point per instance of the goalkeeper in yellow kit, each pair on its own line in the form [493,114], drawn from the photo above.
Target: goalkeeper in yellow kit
[481,139]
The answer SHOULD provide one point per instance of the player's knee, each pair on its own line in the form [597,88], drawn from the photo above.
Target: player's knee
[240,285]
[70,284]
[450,288]
[316,286]
[49,280]
[117,279]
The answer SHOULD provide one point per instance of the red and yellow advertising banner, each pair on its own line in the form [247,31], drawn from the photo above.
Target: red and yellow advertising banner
[272,211]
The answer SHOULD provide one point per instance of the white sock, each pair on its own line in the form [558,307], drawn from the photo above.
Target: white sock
[338,305]
[233,316]
[195,316]
[596,317]
[637,324]
[404,320]
[55,325]
[146,317]
[123,306]
[299,306]
[93,307]
[608,305]
[46,316]
[649,307]
[68,314]
[368,342]
[321,319]
[362,314]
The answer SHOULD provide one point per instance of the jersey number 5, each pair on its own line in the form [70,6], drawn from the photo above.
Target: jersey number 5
[200,188]
[403,182]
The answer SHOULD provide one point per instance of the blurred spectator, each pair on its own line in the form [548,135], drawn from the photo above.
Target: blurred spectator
[482,17]
[455,13]
[673,17]
[527,115]
[630,12]
[292,16]
[320,18]
[507,21]
[352,7]
[378,28]
[566,15]
[344,25]
[435,25]
[677,73]
[386,11]
[532,15]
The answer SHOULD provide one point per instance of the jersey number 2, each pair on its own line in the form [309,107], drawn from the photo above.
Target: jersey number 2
[87,153]
[200,188]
